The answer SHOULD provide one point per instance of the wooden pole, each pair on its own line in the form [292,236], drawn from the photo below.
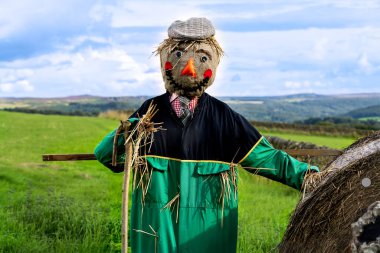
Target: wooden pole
[67,157]
[125,200]
[292,152]
[313,152]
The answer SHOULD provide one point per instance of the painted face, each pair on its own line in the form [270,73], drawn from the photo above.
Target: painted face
[189,69]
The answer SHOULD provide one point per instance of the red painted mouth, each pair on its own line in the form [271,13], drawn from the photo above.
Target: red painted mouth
[197,86]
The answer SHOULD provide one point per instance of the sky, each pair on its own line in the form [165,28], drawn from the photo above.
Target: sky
[104,48]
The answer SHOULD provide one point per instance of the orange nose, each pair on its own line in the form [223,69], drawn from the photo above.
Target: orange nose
[189,69]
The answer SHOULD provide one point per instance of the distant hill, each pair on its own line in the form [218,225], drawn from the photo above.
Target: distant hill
[301,106]
[289,108]
[367,112]
[84,105]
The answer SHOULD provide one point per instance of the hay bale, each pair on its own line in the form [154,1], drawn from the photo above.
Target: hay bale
[366,231]
[322,220]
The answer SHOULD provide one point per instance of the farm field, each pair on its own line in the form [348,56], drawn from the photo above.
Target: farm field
[75,206]
[329,141]
[370,118]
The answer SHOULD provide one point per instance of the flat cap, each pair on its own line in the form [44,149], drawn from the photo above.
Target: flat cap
[191,29]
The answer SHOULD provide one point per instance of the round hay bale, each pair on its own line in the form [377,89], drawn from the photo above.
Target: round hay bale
[322,220]
[366,231]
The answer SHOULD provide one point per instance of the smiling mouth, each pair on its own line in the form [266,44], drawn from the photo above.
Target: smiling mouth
[197,85]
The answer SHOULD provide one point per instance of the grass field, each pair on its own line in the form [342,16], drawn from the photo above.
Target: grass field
[75,206]
[329,141]
[370,118]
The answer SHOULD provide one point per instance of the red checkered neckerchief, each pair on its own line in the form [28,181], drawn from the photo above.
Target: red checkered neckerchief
[176,104]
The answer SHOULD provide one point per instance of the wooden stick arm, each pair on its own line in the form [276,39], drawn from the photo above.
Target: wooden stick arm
[67,157]
[313,152]
[292,152]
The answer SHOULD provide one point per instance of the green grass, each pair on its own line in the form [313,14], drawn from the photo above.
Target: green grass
[370,118]
[75,206]
[55,207]
[329,141]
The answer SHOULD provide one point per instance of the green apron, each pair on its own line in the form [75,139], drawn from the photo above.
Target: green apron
[188,207]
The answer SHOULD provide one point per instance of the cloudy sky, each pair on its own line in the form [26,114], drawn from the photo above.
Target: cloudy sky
[61,48]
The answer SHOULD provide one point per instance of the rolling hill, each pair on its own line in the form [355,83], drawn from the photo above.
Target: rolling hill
[288,108]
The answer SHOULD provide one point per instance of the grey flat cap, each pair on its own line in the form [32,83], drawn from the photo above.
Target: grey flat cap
[191,29]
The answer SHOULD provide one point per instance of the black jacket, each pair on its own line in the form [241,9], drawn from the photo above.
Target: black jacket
[215,132]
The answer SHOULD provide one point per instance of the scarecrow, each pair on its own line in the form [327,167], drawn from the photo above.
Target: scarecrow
[189,200]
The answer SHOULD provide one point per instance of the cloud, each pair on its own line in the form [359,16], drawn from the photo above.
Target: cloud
[230,13]
[353,4]
[104,47]
[25,85]
[6,87]
[328,45]
[319,51]
[30,28]
[23,15]
[235,78]
[301,84]
[18,86]
[129,13]
[256,62]
[15,81]
[365,65]
[102,71]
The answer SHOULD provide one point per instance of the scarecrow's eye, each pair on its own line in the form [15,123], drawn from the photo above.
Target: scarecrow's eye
[178,54]
[204,58]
